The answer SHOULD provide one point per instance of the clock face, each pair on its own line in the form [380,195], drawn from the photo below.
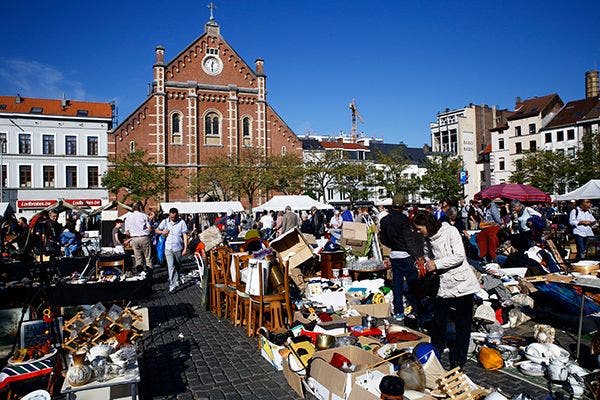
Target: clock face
[212,65]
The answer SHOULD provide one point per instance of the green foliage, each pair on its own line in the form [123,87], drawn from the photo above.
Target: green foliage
[392,176]
[286,173]
[320,173]
[139,176]
[549,171]
[440,182]
[587,160]
[355,180]
[214,181]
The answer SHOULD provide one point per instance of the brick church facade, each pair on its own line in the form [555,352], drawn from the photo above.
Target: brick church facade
[205,102]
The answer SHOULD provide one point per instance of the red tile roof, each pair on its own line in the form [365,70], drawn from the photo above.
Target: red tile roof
[8,104]
[594,113]
[531,107]
[343,146]
[572,112]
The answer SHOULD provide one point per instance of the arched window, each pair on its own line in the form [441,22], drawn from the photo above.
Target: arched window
[212,129]
[246,131]
[283,150]
[176,137]
[132,146]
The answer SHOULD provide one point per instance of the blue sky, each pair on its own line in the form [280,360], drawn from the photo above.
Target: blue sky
[403,61]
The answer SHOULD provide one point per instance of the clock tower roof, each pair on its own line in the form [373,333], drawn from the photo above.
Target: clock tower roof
[212,27]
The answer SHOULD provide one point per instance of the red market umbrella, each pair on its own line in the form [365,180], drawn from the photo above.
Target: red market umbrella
[513,191]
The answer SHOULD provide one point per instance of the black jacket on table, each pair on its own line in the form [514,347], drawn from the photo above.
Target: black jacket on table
[395,233]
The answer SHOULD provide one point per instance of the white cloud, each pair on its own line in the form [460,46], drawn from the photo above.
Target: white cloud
[34,79]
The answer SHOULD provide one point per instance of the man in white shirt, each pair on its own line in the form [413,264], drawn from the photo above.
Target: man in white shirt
[266,224]
[175,231]
[582,220]
[138,229]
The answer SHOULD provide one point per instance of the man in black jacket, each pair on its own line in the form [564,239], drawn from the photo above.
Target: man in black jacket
[396,233]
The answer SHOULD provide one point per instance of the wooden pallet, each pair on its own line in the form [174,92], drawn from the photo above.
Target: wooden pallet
[455,385]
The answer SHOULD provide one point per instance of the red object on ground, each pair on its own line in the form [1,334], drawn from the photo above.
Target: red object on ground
[367,332]
[312,335]
[499,316]
[513,191]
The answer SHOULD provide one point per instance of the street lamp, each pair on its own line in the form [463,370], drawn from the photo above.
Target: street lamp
[2,149]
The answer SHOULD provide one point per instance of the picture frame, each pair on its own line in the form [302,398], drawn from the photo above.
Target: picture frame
[34,332]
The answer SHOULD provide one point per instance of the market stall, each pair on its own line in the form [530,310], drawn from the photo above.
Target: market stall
[590,190]
[203,207]
[297,202]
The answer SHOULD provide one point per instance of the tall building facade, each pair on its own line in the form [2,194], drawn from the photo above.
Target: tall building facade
[207,101]
[466,132]
[53,149]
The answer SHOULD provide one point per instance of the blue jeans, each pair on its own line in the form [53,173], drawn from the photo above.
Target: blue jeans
[173,266]
[403,268]
[581,243]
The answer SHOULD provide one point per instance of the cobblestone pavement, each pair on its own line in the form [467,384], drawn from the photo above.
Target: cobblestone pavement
[191,354]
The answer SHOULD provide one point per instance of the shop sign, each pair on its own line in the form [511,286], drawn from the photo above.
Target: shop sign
[37,204]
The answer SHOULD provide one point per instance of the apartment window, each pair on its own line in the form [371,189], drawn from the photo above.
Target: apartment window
[517,131]
[531,128]
[48,175]
[548,137]
[283,150]
[132,146]
[47,144]
[3,143]
[518,148]
[501,164]
[501,144]
[329,194]
[70,145]
[560,151]
[24,175]
[570,134]
[92,145]
[571,151]
[3,176]
[24,143]
[176,128]
[71,172]
[92,175]
[532,145]
[560,136]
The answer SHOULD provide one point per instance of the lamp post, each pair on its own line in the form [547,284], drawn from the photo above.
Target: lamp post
[2,144]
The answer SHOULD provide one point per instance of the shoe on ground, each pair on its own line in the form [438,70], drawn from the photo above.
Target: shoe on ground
[173,289]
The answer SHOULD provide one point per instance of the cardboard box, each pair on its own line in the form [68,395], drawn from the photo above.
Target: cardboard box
[337,382]
[294,379]
[293,246]
[381,310]
[350,321]
[355,235]
[270,352]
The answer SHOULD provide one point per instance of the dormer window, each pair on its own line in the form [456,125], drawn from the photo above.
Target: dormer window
[36,110]
[82,113]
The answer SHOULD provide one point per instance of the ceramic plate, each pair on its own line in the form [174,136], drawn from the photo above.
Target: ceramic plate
[37,395]
[47,356]
[532,369]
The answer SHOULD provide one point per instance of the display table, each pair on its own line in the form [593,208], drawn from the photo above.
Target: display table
[111,389]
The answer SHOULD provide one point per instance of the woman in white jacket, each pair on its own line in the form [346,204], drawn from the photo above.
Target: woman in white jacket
[458,284]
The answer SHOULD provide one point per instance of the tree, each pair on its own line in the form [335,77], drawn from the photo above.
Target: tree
[215,180]
[440,182]
[321,171]
[285,173]
[139,176]
[549,171]
[392,175]
[355,180]
[587,159]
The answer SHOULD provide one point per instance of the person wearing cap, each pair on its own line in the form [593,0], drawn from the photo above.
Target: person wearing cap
[176,233]
[582,221]
[289,221]
[396,233]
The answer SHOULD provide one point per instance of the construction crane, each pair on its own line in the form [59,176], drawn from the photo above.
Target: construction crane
[355,115]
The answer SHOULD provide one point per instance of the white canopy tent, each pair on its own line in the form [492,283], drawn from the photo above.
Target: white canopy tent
[5,210]
[202,207]
[590,190]
[297,202]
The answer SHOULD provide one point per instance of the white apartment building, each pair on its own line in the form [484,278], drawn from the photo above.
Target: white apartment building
[53,149]
[521,133]
[465,132]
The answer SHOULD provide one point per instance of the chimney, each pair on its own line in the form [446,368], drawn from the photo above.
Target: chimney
[160,55]
[260,67]
[518,102]
[18,99]
[63,102]
[591,84]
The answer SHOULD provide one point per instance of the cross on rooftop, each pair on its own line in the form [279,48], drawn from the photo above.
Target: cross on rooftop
[212,7]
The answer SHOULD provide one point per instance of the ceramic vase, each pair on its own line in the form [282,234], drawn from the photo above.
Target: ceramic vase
[79,373]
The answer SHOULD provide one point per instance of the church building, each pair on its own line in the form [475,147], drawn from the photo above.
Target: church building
[205,102]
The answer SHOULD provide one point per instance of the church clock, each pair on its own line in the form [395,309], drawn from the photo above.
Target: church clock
[212,65]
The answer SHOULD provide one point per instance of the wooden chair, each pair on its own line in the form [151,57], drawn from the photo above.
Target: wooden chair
[242,299]
[271,306]
[218,287]
[118,264]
